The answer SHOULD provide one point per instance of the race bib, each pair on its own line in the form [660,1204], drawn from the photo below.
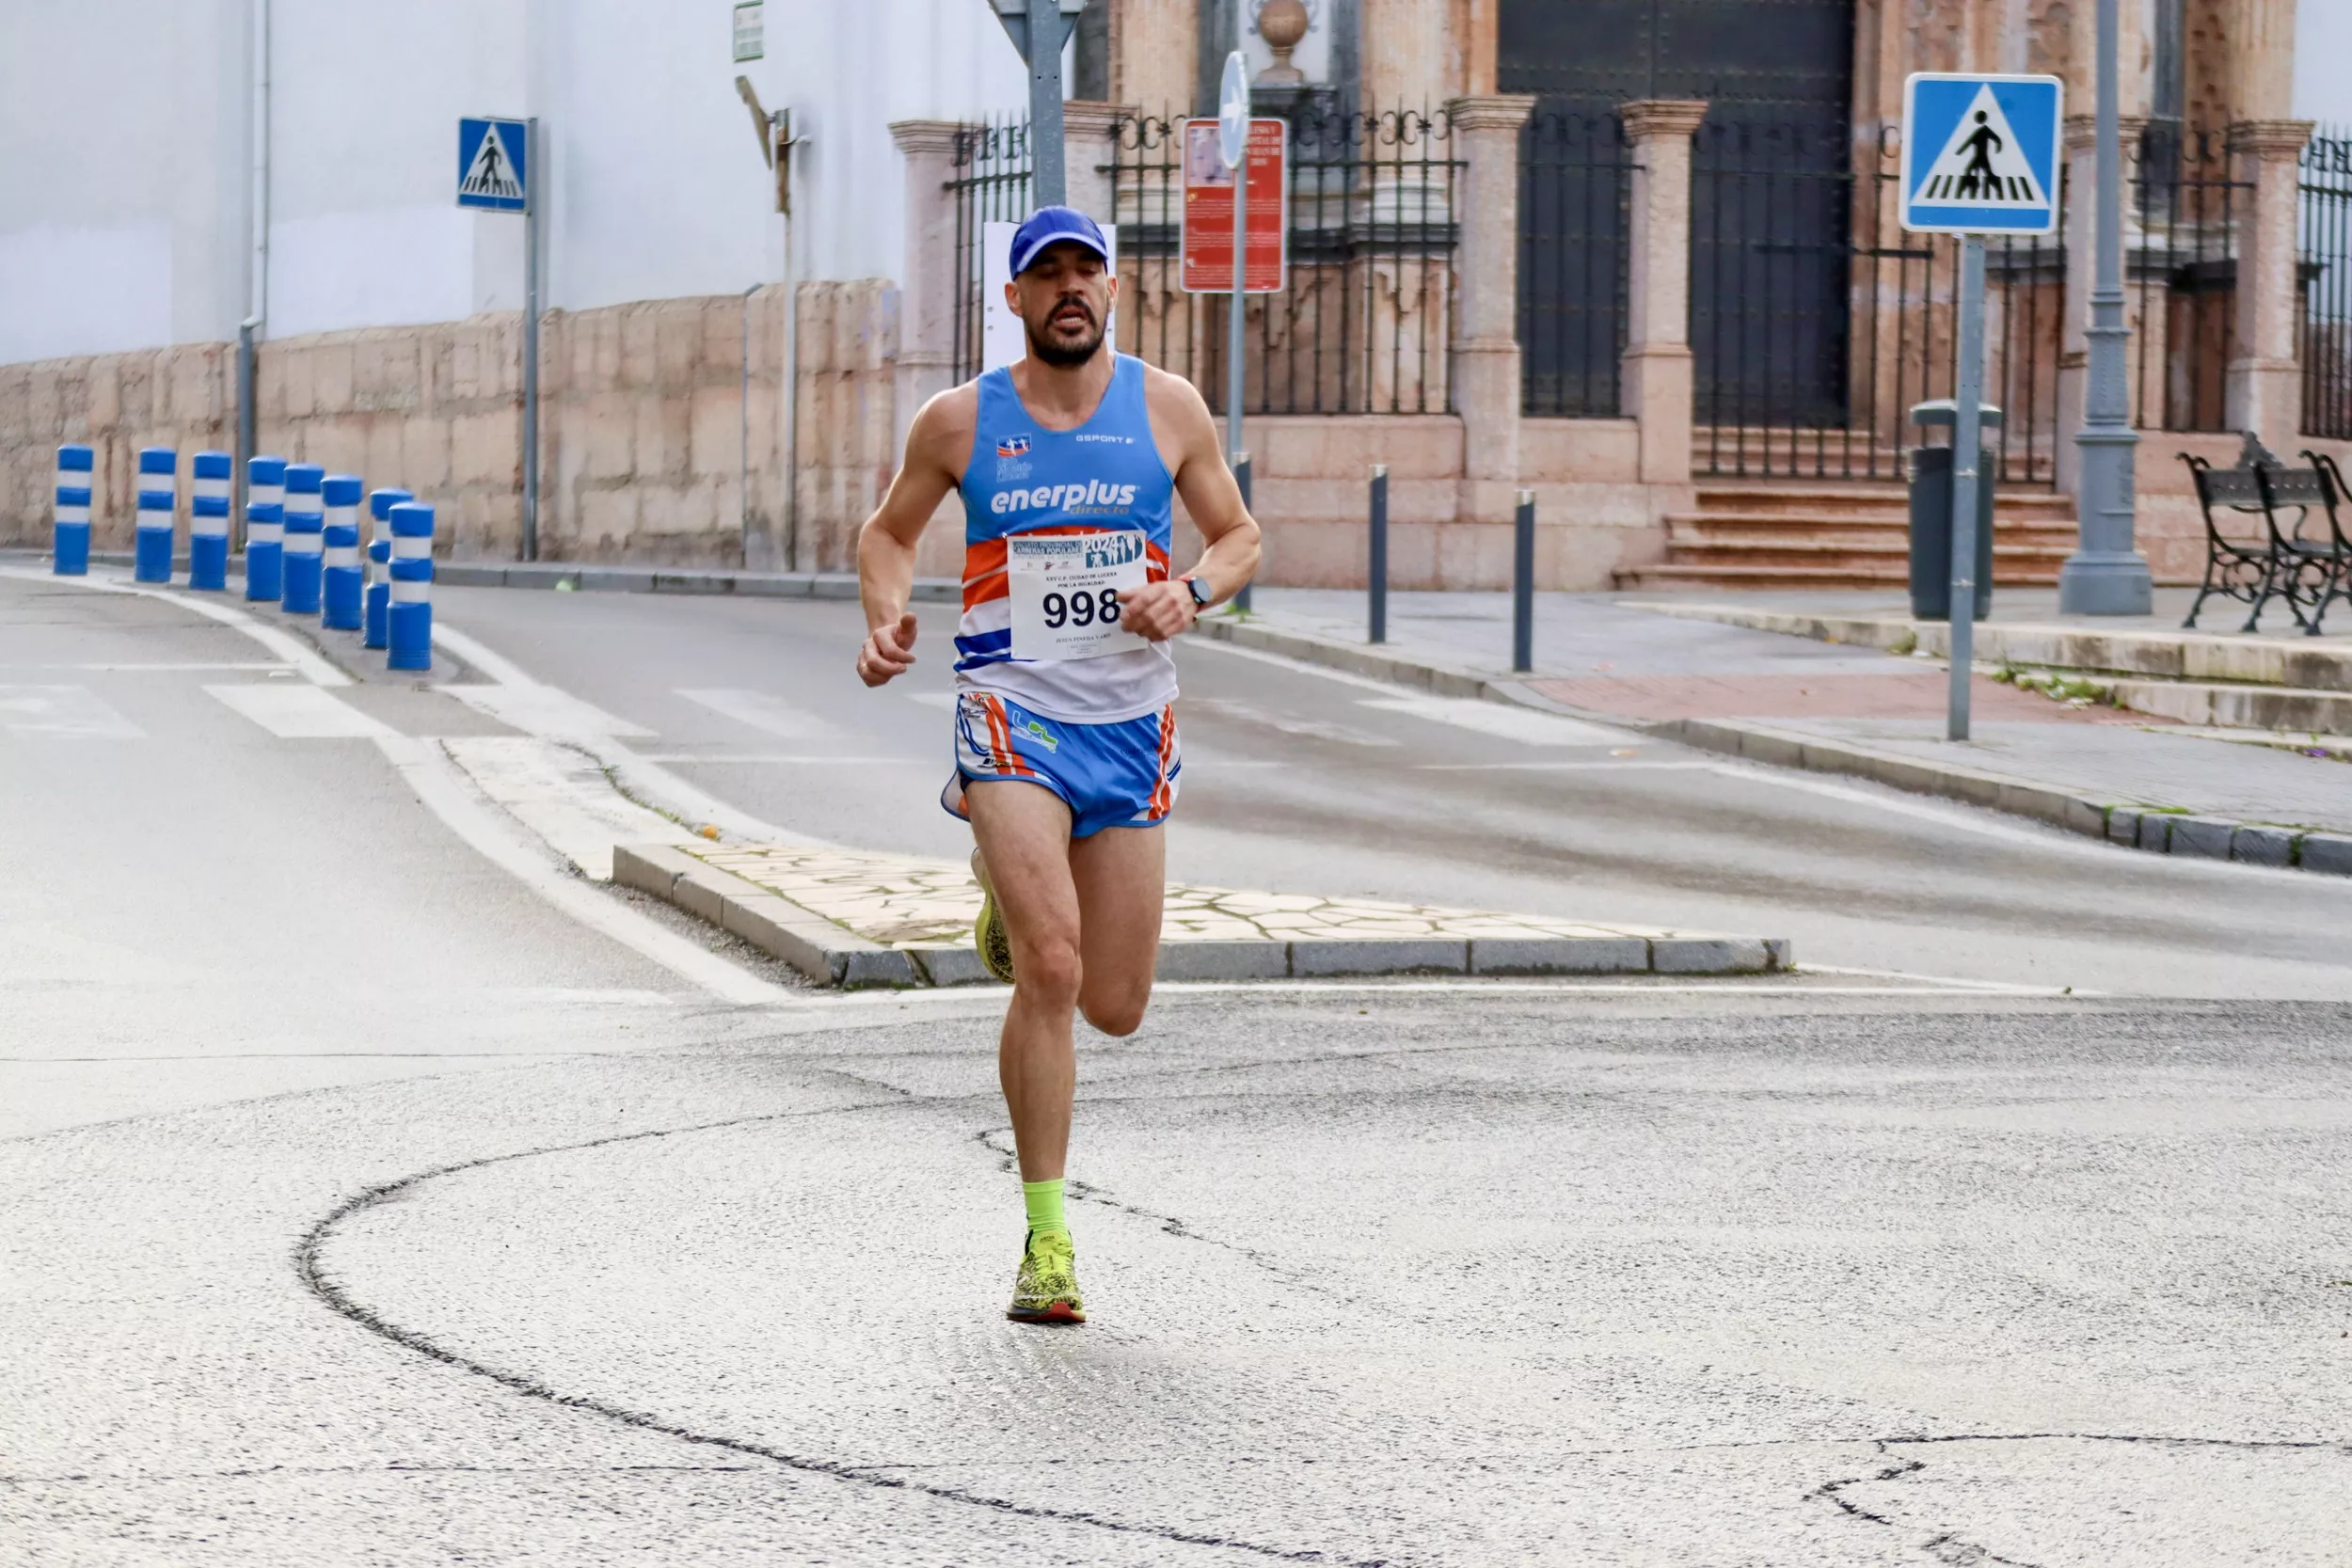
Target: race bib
[1065,592]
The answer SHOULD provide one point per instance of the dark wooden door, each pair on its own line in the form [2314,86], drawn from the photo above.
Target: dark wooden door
[1772,230]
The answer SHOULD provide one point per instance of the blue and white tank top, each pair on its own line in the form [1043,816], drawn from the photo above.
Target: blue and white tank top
[1094,500]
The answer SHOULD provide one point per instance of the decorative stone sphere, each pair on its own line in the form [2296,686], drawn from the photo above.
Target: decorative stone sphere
[1282,23]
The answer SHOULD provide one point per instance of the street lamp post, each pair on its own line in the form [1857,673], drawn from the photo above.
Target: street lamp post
[2105,575]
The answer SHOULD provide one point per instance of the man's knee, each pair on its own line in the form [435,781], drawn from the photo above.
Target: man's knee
[1049,970]
[1119,1014]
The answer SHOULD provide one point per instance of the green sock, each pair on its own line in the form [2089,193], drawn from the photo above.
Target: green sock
[1043,1201]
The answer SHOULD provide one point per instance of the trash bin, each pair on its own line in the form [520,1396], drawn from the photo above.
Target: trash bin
[1931,514]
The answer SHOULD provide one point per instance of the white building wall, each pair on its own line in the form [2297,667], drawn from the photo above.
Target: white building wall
[124,155]
[2323,62]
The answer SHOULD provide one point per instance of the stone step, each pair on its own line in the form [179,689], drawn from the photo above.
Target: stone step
[2230,706]
[1674,575]
[1741,525]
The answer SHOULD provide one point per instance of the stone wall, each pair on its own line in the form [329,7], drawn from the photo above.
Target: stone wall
[646,438]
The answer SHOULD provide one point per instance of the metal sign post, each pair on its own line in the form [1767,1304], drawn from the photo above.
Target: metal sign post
[496,161]
[1030,23]
[1967,441]
[1232,144]
[1980,156]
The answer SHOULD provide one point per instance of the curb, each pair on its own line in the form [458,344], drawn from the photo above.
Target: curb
[2209,678]
[2130,824]
[830,955]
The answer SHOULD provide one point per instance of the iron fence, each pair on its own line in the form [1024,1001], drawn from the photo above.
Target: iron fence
[2325,298]
[1366,321]
[1816,322]
[2182,277]
[1575,184]
[991,185]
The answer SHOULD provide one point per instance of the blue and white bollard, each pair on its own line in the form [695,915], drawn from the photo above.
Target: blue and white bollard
[305,536]
[380,503]
[159,505]
[213,476]
[339,583]
[411,612]
[264,528]
[77,468]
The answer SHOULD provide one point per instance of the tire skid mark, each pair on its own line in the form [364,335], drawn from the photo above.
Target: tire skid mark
[309,1268]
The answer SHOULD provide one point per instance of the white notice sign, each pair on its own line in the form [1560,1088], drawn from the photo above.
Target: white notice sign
[1065,592]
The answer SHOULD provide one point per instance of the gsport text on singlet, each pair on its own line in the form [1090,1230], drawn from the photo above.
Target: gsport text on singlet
[1056,523]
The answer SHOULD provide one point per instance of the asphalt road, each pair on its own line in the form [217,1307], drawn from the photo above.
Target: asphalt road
[1300,780]
[370,1194]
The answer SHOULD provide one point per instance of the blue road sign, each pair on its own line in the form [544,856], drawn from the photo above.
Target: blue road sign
[493,168]
[1980,153]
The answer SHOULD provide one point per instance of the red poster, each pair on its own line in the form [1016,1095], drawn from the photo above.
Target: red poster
[1208,244]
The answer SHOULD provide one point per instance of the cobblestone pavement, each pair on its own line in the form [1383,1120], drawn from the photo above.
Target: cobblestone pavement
[901,901]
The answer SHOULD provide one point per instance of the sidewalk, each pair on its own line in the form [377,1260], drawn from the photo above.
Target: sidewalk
[1792,700]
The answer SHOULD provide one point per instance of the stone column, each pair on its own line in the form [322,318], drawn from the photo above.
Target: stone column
[1405,54]
[1487,354]
[927,278]
[1155,46]
[1086,139]
[2263,50]
[2266,389]
[1658,361]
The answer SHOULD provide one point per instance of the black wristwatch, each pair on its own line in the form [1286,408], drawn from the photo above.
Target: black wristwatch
[1202,597]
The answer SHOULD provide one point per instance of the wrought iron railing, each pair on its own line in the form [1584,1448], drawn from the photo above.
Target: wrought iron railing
[2324,319]
[991,185]
[1816,322]
[2182,276]
[1366,324]
[1575,178]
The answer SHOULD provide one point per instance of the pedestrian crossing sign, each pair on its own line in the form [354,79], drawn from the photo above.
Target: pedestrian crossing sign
[1980,153]
[493,168]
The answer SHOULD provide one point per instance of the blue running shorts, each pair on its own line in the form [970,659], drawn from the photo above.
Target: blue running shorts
[1121,775]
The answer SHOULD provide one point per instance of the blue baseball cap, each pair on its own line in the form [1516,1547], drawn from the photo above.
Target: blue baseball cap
[1052,225]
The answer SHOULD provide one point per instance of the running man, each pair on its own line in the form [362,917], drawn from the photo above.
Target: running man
[1066,687]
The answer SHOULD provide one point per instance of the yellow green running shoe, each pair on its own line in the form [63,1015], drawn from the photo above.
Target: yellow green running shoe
[988,931]
[1046,1290]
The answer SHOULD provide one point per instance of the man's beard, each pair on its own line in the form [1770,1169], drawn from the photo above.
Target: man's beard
[1063,354]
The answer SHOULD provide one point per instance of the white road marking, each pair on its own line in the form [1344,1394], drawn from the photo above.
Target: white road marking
[546,710]
[493,667]
[765,759]
[560,793]
[761,710]
[1615,764]
[186,666]
[637,777]
[70,712]
[1523,724]
[931,699]
[1951,981]
[1288,723]
[290,650]
[1299,666]
[447,791]
[300,712]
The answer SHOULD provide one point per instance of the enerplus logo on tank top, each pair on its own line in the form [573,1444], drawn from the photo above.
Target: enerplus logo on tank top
[1091,499]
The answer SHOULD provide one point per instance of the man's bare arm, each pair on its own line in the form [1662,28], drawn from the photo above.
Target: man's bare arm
[1213,500]
[937,445]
